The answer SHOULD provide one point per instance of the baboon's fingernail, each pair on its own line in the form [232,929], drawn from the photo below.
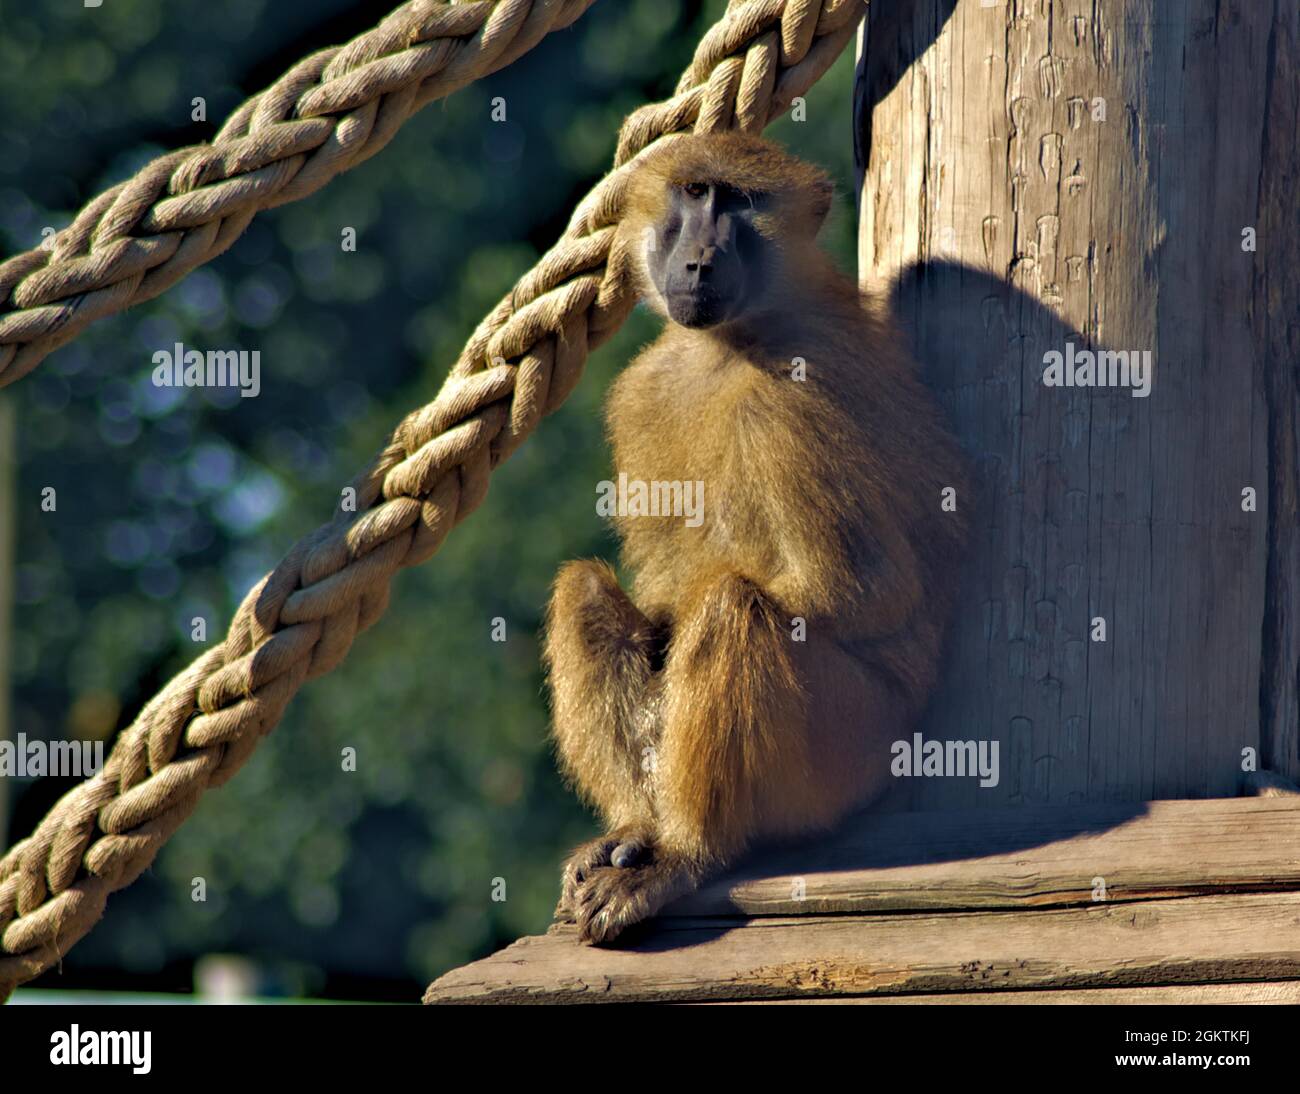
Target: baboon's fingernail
[626,854]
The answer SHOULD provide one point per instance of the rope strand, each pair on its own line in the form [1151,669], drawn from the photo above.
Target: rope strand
[328,113]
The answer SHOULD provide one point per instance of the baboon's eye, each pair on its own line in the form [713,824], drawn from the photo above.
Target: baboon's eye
[695,189]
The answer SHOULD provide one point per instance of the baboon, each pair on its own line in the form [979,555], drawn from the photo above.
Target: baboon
[751,685]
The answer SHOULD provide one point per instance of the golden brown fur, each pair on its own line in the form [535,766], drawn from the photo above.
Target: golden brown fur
[687,713]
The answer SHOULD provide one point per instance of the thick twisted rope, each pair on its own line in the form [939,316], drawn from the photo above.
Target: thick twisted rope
[328,113]
[301,619]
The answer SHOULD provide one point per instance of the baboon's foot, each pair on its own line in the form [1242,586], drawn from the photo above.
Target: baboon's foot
[611,899]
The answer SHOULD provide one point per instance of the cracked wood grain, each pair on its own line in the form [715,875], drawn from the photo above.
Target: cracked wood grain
[1037,172]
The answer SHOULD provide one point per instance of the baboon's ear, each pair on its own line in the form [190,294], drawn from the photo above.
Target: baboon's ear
[823,190]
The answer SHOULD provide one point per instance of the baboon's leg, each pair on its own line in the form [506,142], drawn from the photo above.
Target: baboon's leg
[733,710]
[599,653]
[762,736]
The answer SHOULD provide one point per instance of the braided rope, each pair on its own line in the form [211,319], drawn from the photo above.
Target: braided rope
[300,620]
[328,113]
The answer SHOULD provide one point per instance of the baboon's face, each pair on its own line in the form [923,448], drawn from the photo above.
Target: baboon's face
[706,259]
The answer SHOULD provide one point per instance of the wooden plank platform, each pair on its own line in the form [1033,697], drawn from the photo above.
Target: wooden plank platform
[1279,992]
[1201,903]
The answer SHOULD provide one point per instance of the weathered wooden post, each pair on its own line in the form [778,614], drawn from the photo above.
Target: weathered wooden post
[1047,177]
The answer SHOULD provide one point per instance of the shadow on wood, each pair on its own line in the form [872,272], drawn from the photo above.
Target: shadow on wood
[1180,894]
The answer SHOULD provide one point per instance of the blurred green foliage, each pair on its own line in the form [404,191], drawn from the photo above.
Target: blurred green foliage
[171,503]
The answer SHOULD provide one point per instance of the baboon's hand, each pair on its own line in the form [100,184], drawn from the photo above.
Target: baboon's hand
[620,849]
